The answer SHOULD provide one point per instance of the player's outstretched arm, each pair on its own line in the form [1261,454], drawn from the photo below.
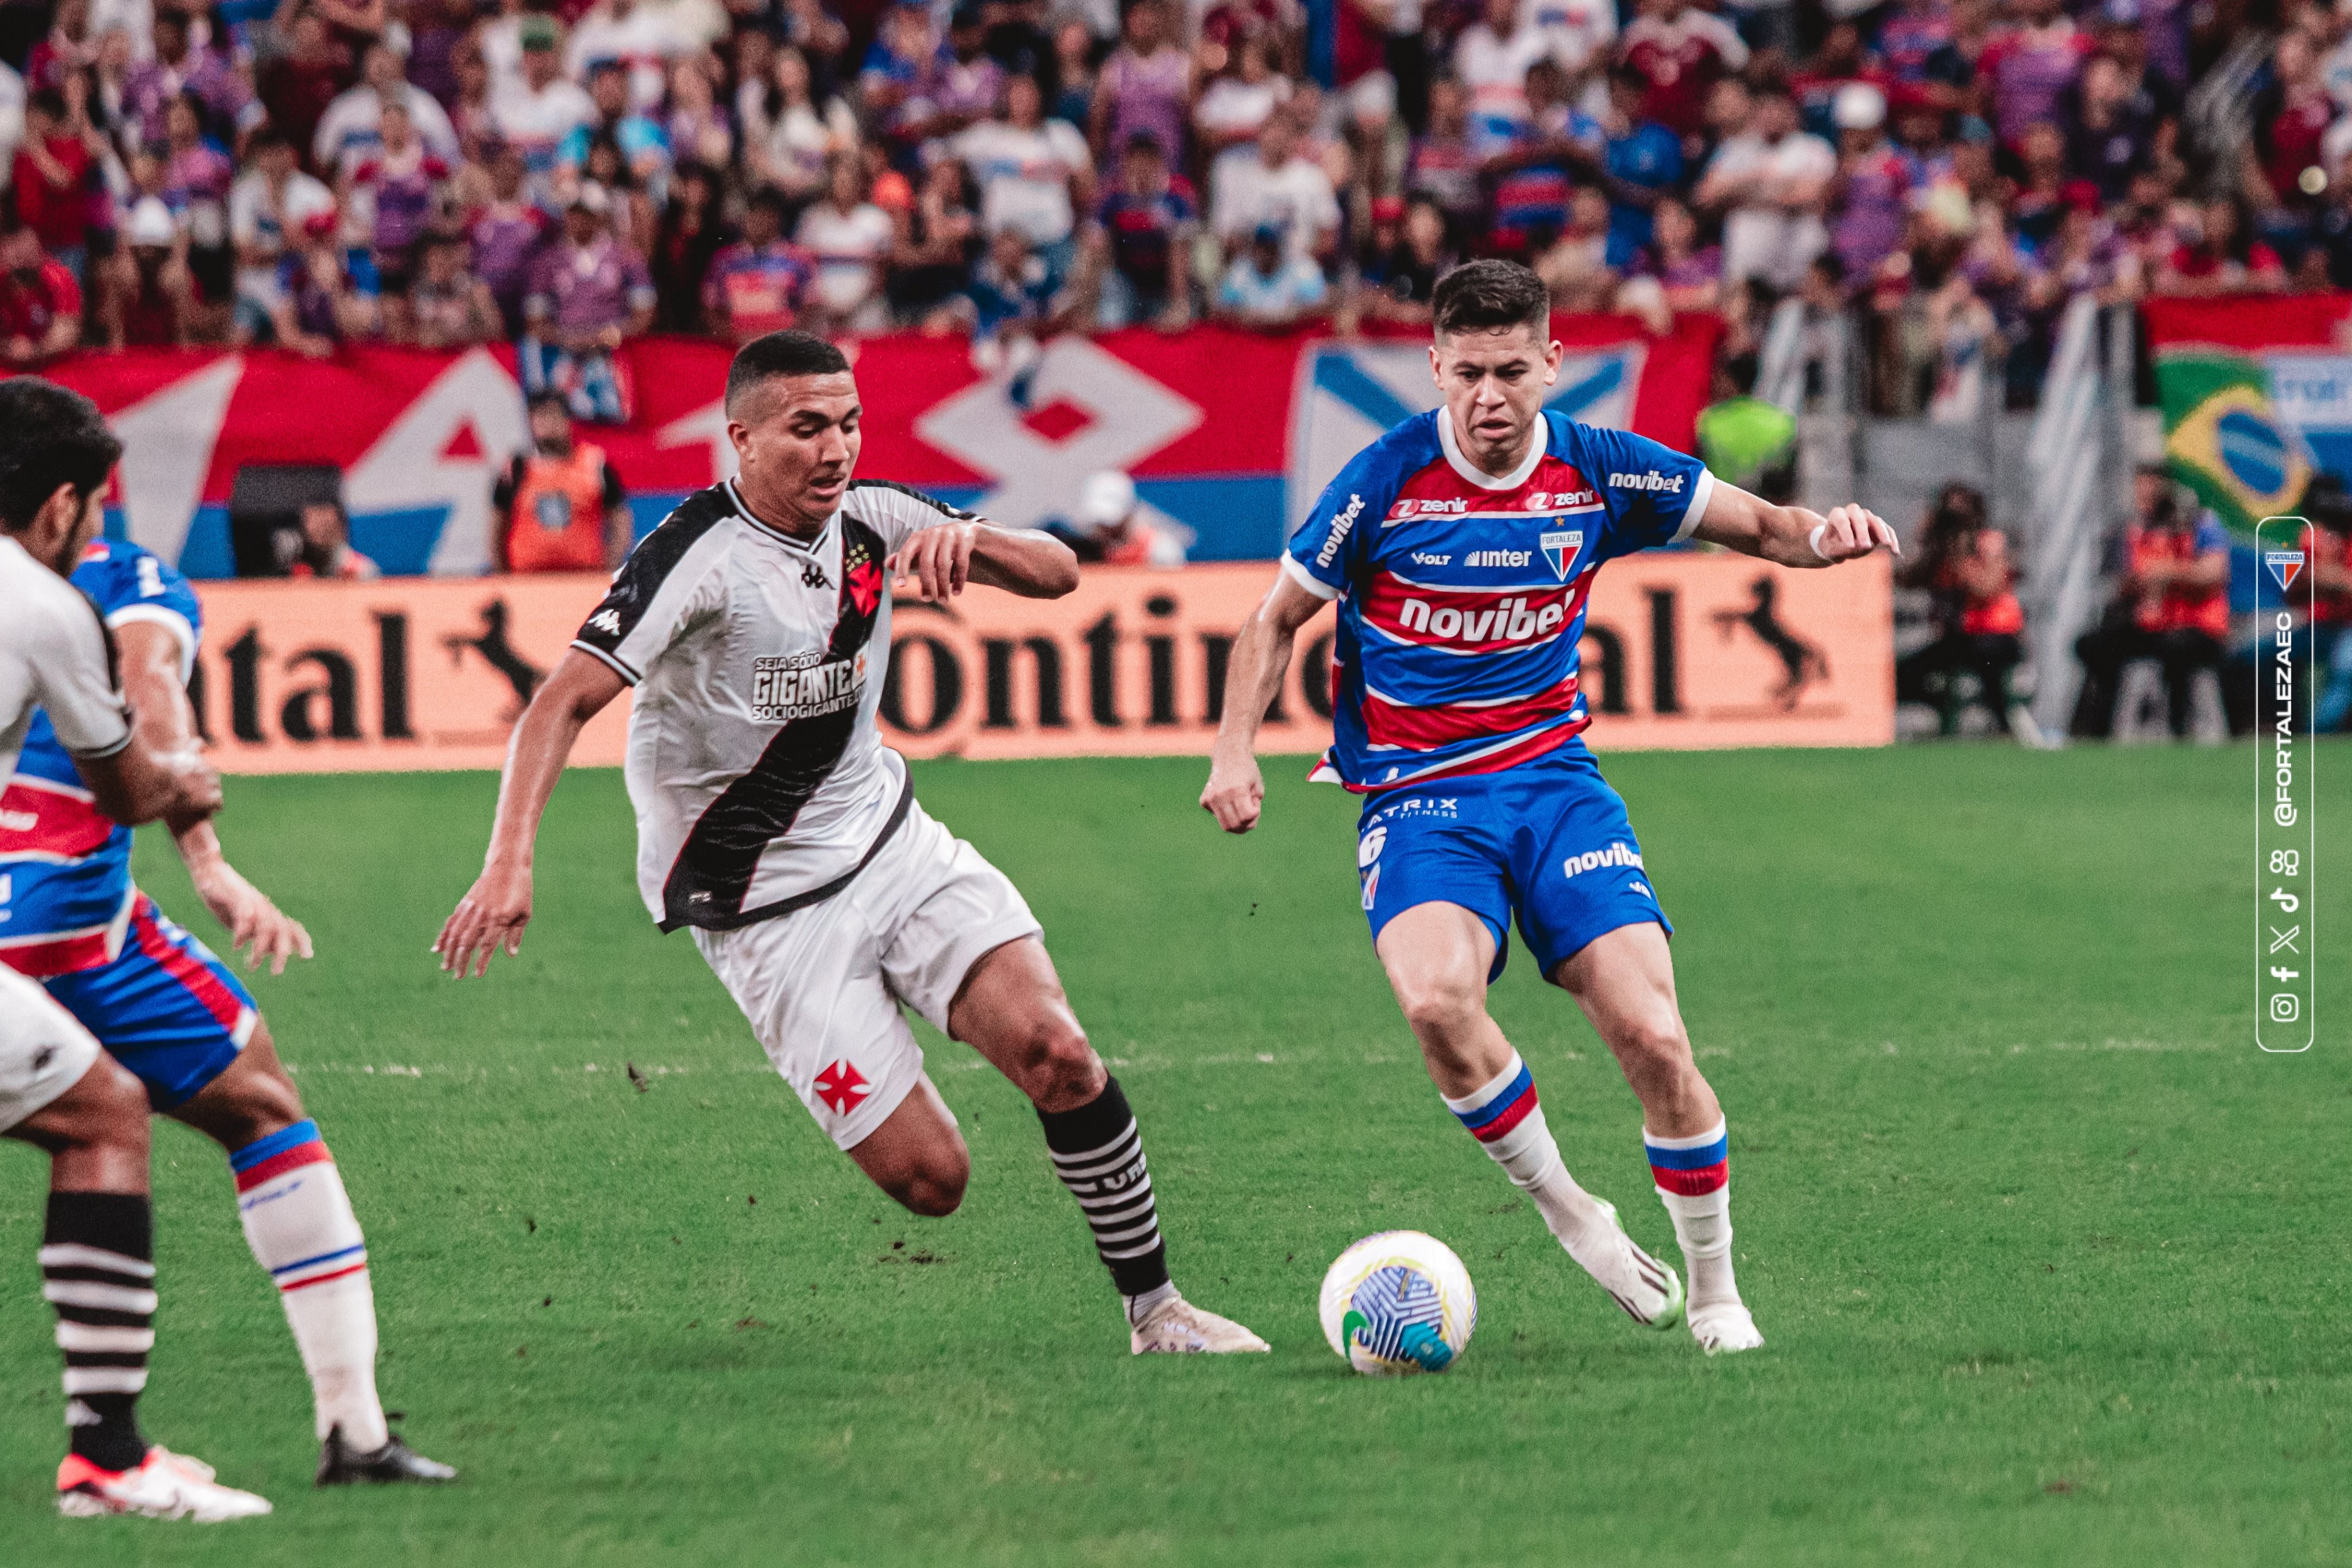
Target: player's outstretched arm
[138,785]
[1792,535]
[941,559]
[497,907]
[1261,659]
[151,656]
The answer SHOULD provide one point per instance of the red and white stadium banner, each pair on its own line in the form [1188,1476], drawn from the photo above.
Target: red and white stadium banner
[1228,433]
[1681,650]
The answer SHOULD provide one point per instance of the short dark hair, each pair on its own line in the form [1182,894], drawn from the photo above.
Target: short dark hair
[1490,297]
[770,200]
[777,356]
[48,436]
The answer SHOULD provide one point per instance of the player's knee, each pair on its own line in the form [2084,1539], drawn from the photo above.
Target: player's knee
[1654,1050]
[111,1109]
[1439,1007]
[934,1187]
[1063,1073]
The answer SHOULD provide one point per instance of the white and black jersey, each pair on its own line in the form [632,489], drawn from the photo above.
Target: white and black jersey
[760,783]
[56,655]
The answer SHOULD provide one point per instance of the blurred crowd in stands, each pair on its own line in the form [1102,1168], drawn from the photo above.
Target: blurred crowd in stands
[570,174]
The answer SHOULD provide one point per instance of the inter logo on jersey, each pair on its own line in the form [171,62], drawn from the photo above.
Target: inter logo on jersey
[1560,550]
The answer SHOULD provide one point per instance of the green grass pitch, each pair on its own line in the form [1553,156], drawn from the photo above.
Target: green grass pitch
[2053,1263]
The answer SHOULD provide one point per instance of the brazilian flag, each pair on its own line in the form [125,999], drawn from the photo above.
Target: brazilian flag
[2224,440]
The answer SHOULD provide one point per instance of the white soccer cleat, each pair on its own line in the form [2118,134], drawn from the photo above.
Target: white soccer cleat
[1177,1327]
[1723,1327]
[164,1485]
[1650,1291]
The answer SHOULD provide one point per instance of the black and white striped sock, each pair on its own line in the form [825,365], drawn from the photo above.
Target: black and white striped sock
[97,1271]
[1098,1154]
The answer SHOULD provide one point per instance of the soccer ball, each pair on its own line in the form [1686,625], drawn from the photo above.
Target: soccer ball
[1398,1301]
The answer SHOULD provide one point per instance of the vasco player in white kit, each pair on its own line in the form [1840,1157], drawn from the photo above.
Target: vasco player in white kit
[754,625]
[58,1090]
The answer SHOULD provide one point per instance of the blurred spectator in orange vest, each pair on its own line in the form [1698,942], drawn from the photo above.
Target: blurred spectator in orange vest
[560,507]
[327,549]
[1111,527]
[1964,564]
[2172,605]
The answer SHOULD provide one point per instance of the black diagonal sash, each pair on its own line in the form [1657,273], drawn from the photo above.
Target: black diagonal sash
[712,873]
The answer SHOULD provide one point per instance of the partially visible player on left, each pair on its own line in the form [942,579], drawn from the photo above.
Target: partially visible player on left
[164,1006]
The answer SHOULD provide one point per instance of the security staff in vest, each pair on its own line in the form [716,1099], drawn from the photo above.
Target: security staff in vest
[560,507]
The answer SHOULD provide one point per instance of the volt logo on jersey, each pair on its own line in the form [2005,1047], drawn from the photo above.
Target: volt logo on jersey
[1560,550]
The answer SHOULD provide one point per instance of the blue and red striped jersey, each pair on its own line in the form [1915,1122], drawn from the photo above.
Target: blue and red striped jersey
[65,866]
[1462,596]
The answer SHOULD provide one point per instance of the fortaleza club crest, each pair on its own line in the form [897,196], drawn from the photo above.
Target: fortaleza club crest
[1561,550]
[2283,565]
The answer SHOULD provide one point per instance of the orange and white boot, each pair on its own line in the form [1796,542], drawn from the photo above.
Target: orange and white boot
[164,1485]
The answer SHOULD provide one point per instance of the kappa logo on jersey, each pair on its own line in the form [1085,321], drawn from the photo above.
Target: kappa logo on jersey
[1560,550]
[1341,525]
[607,622]
[1593,859]
[1663,484]
[841,1087]
[1367,849]
[796,686]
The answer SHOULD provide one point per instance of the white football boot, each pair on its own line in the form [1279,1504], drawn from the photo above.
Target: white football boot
[1650,1291]
[1177,1327]
[164,1485]
[1722,1327]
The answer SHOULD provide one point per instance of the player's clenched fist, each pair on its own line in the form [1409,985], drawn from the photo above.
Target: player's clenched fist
[491,916]
[1849,532]
[938,559]
[1235,794]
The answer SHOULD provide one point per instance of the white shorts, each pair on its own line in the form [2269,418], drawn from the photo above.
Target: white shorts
[822,987]
[43,1051]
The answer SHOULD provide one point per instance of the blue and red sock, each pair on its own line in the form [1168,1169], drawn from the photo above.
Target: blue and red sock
[299,1223]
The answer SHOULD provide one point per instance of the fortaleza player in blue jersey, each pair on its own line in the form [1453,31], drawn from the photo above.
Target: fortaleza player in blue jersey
[164,1006]
[1461,547]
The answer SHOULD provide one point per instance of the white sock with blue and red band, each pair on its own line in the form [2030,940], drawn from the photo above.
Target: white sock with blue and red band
[1693,1180]
[1503,1116]
[299,1223]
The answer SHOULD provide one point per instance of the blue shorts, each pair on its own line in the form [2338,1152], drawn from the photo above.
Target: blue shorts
[1547,841]
[165,1008]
